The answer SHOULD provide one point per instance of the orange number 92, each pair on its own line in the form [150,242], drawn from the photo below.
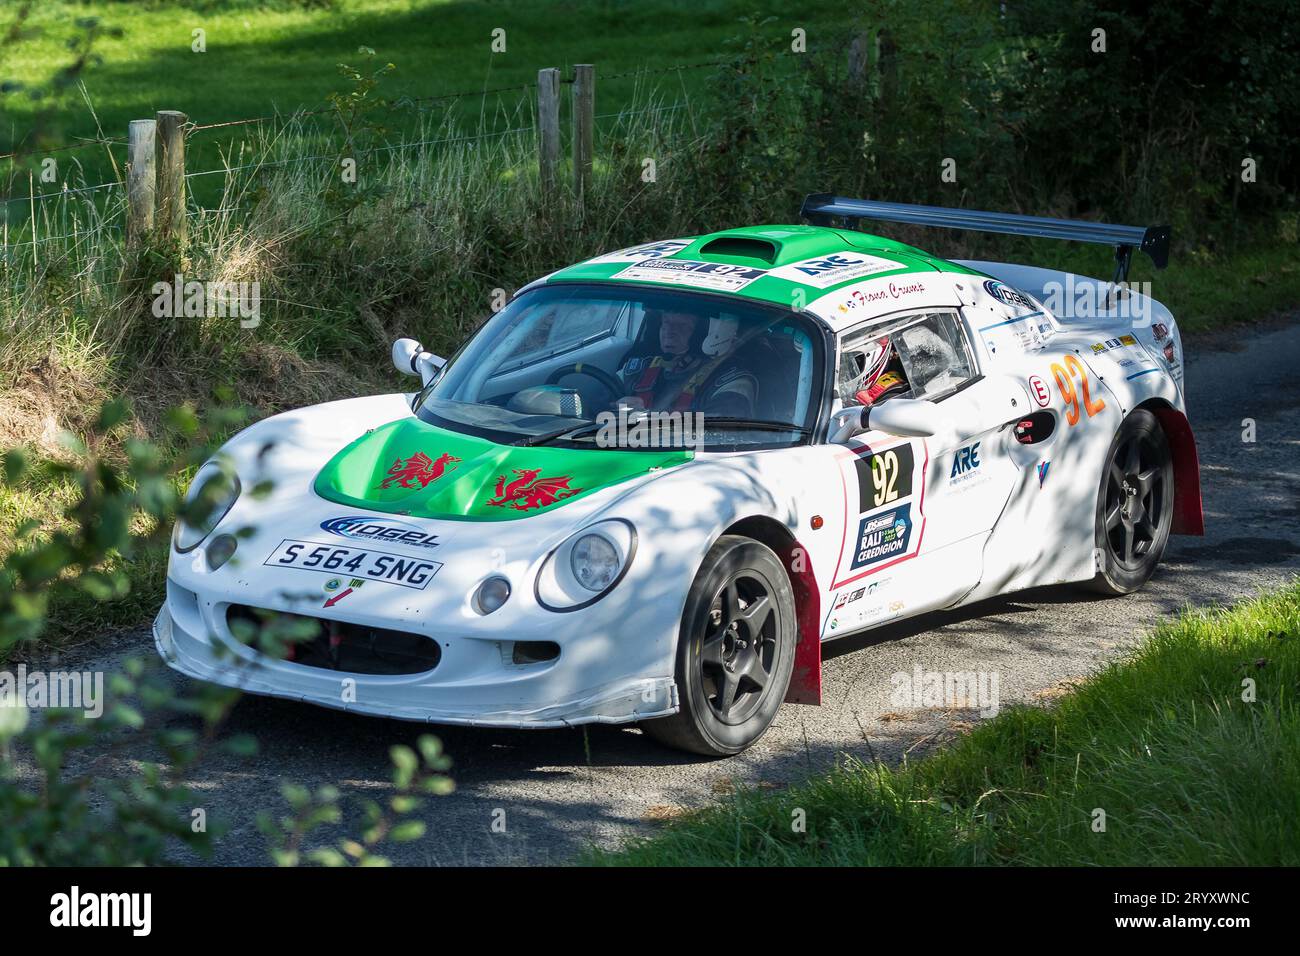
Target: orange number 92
[1065,382]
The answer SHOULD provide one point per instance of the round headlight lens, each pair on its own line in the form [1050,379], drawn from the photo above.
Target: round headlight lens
[595,562]
[492,593]
[211,495]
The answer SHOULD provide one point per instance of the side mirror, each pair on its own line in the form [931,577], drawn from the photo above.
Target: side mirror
[906,417]
[410,358]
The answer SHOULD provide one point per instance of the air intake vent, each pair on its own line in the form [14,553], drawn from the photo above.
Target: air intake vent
[741,247]
[339,645]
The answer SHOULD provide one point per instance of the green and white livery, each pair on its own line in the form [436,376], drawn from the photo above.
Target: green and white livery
[655,483]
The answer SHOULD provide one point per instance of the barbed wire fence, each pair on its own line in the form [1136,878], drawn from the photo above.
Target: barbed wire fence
[152,195]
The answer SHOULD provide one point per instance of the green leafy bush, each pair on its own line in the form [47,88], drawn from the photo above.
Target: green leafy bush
[66,809]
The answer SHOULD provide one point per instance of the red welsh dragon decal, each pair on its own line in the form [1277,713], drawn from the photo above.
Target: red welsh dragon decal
[419,467]
[528,491]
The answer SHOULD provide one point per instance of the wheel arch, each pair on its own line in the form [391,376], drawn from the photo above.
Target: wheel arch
[1188,516]
[806,678]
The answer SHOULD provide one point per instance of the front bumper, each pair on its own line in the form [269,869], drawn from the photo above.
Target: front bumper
[480,687]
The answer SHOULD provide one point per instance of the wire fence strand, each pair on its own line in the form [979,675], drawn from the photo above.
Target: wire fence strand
[460,94]
[402,102]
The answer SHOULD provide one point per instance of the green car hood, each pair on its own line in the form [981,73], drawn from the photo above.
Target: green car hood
[413,468]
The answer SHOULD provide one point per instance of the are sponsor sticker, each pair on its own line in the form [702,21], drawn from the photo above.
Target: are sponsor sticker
[826,271]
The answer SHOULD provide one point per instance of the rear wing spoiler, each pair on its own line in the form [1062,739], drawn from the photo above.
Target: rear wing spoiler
[823,209]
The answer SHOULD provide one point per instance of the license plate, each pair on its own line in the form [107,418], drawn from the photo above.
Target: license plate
[354,562]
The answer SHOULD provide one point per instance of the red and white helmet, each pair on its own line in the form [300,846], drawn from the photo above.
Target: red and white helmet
[876,382]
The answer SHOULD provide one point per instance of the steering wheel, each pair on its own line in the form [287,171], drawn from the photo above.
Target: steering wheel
[615,387]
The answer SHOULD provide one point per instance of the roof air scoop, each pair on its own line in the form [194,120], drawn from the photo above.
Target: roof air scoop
[741,247]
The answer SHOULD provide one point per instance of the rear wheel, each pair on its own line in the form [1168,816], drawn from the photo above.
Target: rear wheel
[1135,505]
[735,651]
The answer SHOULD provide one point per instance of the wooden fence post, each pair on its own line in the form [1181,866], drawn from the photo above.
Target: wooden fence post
[584,125]
[548,129]
[140,178]
[170,217]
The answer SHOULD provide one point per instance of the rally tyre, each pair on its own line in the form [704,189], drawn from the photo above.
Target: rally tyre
[1135,505]
[735,651]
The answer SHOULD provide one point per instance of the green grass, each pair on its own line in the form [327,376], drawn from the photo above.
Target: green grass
[1188,773]
[264,58]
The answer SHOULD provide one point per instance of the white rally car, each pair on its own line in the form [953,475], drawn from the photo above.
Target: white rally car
[652,485]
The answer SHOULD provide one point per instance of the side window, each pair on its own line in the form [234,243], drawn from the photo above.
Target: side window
[922,355]
[935,355]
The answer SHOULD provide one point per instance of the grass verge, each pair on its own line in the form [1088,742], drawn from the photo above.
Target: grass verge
[1187,772]
[267,56]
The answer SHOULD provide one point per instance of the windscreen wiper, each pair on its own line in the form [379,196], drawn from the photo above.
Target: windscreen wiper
[710,422]
[572,431]
[760,424]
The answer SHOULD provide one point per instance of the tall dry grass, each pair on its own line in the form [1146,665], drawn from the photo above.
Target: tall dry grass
[419,244]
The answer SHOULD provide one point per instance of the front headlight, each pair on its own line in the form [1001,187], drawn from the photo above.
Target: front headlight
[587,566]
[595,562]
[211,495]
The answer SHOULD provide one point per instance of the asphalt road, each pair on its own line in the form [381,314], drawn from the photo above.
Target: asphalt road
[562,790]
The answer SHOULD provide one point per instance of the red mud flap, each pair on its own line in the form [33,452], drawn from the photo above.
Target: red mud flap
[806,679]
[1188,517]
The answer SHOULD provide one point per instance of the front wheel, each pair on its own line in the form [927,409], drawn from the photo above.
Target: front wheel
[1135,505]
[735,651]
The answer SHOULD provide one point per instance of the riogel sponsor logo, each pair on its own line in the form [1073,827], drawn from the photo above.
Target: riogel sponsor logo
[1007,295]
[883,536]
[1089,298]
[75,908]
[363,528]
[925,690]
[633,428]
[63,690]
[179,299]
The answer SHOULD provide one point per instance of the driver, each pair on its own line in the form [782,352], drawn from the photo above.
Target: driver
[882,373]
[688,380]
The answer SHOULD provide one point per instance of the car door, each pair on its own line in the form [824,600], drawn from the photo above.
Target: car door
[918,510]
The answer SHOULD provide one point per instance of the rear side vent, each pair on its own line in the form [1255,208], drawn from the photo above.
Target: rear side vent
[741,247]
